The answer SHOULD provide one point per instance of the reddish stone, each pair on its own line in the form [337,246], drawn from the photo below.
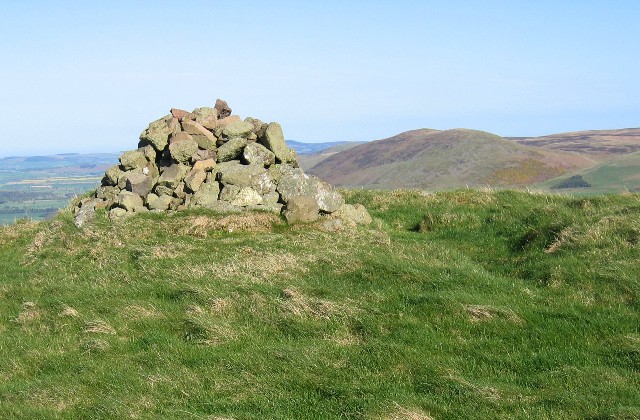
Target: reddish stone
[178,113]
[223,108]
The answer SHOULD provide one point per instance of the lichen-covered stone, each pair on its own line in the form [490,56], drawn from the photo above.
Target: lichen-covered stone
[329,200]
[129,201]
[257,154]
[117,213]
[108,193]
[158,132]
[158,203]
[247,196]
[238,129]
[206,195]
[229,192]
[254,176]
[301,209]
[139,184]
[194,179]
[86,212]
[124,176]
[273,139]
[270,198]
[177,166]
[112,175]
[173,175]
[133,159]
[232,149]
[204,155]
[182,151]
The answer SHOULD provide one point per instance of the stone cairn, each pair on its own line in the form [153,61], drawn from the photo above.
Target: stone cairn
[209,158]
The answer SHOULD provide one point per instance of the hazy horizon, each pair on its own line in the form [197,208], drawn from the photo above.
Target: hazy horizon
[81,77]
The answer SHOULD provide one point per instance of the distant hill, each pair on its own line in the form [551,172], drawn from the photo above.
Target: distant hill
[445,159]
[616,175]
[599,145]
[309,161]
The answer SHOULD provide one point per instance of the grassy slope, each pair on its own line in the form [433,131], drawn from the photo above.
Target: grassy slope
[309,161]
[443,160]
[616,175]
[453,305]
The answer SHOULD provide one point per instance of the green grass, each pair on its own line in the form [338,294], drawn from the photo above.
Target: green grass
[621,174]
[465,304]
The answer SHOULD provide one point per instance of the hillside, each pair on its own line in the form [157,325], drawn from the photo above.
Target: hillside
[444,159]
[308,161]
[599,145]
[621,174]
[199,315]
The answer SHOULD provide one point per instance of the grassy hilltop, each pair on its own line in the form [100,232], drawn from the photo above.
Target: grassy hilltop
[464,304]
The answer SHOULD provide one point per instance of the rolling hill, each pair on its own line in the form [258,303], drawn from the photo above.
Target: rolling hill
[616,175]
[599,145]
[445,159]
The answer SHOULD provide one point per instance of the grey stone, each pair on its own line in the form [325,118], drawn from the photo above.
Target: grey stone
[173,175]
[162,190]
[133,159]
[329,200]
[161,202]
[149,153]
[86,212]
[182,151]
[254,176]
[206,195]
[112,175]
[152,171]
[238,129]
[231,149]
[204,112]
[107,193]
[117,213]
[158,132]
[270,198]
[194,179]
[257,154]
[180,191]
[247,197]
[301,209]
[273,139]
[229,192]
[204,155]
[293,181]
[124,176]
[129,201]
[139,184]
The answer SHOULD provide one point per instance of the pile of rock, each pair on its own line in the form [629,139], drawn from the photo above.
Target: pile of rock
[209,158]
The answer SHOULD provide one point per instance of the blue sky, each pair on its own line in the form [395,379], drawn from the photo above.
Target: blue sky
[89,76]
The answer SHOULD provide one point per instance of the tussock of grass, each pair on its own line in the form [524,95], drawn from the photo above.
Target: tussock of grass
[468,304]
